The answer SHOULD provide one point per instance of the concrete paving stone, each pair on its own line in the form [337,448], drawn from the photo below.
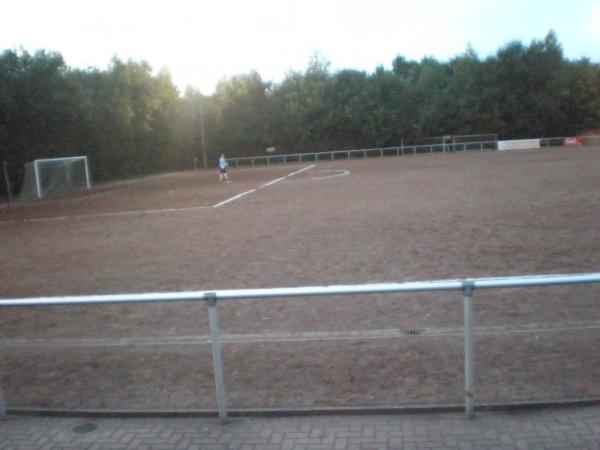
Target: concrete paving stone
[183,444]
[381,437]
[351,447]
[340,443]
[372,447]
[234,444]
[288,444]
[276,438]
[409,446]
[450,441]
[548,429]
[48,446]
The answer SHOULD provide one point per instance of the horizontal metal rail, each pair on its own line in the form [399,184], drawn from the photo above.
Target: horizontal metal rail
[309,291]
[452,147]
[466,285]
[366,152]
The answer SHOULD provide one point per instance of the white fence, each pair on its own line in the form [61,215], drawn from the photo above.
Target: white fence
[468,286]
[364,153]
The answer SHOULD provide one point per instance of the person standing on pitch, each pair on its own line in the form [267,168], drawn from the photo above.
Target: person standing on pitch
[223,168]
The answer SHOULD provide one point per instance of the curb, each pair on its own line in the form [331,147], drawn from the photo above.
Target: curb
[303,412]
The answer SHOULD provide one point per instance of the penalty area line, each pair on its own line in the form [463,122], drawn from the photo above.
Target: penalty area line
[301,170]
[270,183]
[262,186]
[134,212]
[235,197]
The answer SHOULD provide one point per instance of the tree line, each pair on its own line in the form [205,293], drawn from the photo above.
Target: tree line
[131,121]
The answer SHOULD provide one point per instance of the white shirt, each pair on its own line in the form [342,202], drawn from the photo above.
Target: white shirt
[222,163]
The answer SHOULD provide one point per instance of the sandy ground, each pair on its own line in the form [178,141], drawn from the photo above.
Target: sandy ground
[343,222]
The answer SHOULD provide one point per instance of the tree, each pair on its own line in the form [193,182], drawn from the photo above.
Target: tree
[242,109]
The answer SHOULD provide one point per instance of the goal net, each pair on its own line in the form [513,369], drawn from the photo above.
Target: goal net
[53,176]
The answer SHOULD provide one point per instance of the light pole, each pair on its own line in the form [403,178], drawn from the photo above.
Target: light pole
[203,140]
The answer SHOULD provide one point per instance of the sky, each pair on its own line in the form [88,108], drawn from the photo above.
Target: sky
[200,42]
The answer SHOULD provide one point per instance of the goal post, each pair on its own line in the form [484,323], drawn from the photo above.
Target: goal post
[51,176]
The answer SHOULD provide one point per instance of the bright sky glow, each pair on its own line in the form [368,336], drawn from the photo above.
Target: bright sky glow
[202,41]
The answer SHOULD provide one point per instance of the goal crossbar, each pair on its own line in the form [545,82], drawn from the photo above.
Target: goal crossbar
[68,178]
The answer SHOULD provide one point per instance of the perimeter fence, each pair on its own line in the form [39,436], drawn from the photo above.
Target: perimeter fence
[468,286]
[364,153]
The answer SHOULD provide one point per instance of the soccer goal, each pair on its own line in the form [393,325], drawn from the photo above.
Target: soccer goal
[52,176]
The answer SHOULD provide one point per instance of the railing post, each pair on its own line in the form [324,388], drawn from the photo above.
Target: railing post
[2,405]
[468,288]
[215,340]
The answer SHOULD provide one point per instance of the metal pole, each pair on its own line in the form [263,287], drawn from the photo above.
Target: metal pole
[8,189]
[88,183]
[38,183]
[2,405]
[203,140]
[468,288]
[215,339]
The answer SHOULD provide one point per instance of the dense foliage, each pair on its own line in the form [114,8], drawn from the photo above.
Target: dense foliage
[131,121]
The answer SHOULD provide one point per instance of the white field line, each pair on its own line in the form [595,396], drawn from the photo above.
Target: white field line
[235,197]
[301,170]
[150,211]
[308,336]
[133,212]
[110,191]
[262,186]
[270,183]
[97,194]
[338,173]
[333,174]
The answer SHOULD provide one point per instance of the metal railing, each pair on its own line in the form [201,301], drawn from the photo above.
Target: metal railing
[468,286]
[364,153]
[448,147]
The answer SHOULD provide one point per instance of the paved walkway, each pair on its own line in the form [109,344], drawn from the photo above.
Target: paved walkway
[563,428]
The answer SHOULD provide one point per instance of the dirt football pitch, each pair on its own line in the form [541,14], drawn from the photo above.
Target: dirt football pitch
[412,218]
